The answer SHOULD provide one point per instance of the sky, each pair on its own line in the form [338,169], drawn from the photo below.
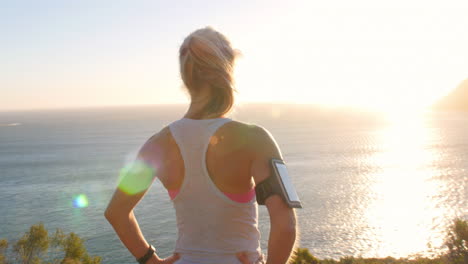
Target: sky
[382,54]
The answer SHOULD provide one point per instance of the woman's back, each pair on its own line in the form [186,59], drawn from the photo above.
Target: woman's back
[228,156]
[202,162]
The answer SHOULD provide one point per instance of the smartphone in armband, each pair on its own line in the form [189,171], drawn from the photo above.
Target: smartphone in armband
[278,183]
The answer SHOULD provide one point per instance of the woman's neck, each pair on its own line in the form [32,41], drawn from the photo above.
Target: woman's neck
[197,104]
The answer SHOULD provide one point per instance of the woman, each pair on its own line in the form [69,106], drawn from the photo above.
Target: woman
[209,165]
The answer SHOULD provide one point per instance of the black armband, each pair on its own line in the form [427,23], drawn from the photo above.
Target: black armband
[278,183]
[267,188]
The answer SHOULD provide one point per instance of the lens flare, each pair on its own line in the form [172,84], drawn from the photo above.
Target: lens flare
[136,177]
[80,201]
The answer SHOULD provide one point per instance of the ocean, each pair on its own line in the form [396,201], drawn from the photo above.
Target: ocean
[371,184]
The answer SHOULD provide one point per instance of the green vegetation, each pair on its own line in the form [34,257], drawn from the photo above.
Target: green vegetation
[456,243]
[37,247]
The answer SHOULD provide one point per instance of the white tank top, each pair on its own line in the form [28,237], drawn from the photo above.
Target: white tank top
[212,228]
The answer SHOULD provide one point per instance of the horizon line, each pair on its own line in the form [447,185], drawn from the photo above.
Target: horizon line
[90,107]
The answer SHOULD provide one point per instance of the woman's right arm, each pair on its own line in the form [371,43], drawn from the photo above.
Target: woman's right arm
[282,218]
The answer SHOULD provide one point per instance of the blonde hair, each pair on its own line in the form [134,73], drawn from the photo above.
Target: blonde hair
[207,58]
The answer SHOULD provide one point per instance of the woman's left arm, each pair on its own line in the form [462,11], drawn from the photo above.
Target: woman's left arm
[120,215]
[135,180]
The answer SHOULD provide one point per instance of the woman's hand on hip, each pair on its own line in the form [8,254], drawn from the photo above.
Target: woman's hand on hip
[156,260]
[242,257]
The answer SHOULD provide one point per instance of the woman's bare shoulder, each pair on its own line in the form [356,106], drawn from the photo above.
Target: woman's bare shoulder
[161,136]
[157,143]
[258,137]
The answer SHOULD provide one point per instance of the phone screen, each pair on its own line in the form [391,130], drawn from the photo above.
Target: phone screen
[288,185]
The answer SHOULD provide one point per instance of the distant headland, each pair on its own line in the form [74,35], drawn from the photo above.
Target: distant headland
[456,100]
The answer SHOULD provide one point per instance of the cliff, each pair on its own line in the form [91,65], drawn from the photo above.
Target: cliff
[456,100]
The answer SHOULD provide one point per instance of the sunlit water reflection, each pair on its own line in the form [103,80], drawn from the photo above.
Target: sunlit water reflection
[379,185]
[402,212]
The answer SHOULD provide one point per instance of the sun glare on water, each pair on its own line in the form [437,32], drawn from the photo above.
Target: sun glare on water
[402,187]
